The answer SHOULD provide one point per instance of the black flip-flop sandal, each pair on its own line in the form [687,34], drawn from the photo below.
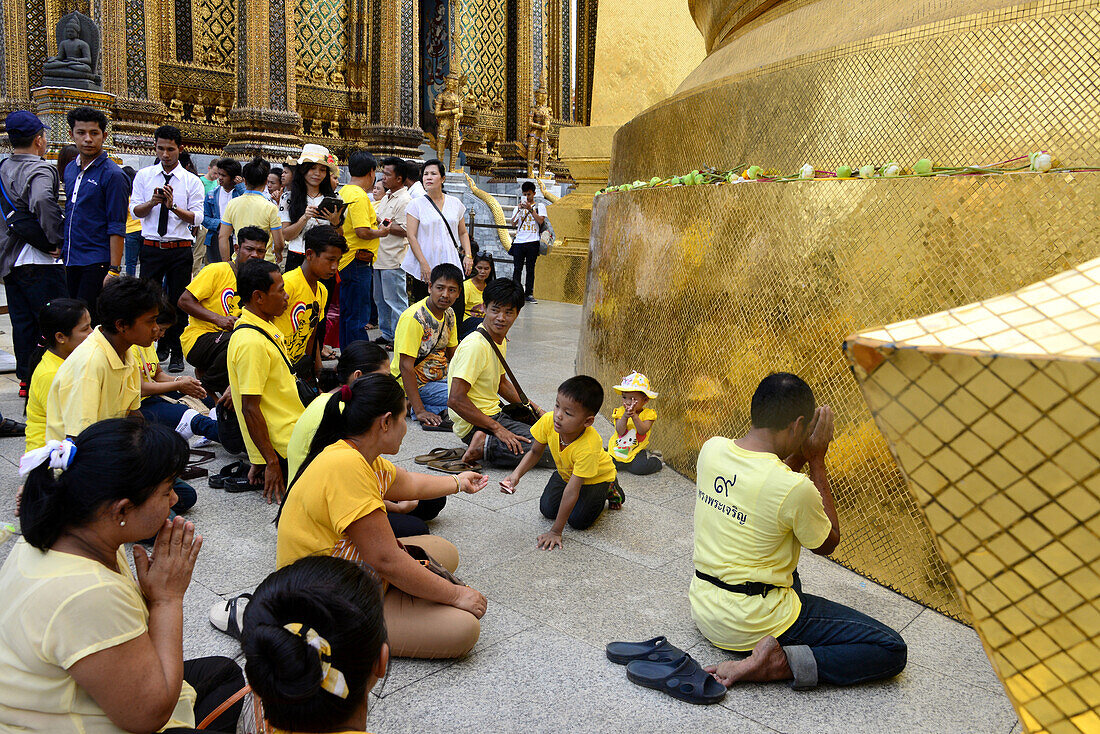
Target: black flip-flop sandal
[453,467]
[444,427]
[224,617]
[655,650]
[683,679]
[440,454]
[236,485]
[230,471]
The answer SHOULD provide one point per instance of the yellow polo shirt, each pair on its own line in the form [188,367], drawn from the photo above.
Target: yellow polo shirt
[336,489]
[251,209]
[37,396]
[752,516]
[475,363]
[215,288]
[93,384]
[584,457]
[257,367]
[303,313]
[360,213]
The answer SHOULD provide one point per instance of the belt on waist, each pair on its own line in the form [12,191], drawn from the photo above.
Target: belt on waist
[167,244]
[749,588]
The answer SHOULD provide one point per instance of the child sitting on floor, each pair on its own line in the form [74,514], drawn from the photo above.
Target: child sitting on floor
[585,478]
[633,426]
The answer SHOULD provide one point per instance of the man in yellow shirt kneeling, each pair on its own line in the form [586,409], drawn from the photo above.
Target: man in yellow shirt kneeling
[754,510]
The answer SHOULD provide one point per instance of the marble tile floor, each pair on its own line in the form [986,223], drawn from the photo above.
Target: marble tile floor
[539,665]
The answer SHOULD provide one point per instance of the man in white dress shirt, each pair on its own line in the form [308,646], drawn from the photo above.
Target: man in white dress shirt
[168,201]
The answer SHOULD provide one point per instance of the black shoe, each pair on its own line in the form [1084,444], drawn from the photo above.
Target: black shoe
[532,299]
[176,363]
[12,429]
[163,352]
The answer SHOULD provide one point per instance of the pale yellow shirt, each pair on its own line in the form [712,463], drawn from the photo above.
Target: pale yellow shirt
[475,363]
[302,435]
[57,609]
[93,384]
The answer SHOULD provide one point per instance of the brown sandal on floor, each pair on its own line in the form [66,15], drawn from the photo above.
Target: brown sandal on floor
[440,454]
[453,467]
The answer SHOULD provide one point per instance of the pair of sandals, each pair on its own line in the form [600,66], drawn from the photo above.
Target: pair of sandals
[448,461]
[658,664]
[234,478]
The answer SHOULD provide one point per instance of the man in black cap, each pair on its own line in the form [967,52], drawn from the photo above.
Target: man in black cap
[31,237]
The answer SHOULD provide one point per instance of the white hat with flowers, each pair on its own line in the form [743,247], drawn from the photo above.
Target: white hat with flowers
[635,382]
[313,153]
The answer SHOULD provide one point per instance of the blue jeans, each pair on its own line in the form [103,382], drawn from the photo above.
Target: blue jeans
[390,298]
[355,301]
[835,644]
[29,288]
[434,396]
[169,414]
[132,249]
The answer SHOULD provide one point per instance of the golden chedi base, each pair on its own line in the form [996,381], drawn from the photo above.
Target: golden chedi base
[993,412]
[706,289]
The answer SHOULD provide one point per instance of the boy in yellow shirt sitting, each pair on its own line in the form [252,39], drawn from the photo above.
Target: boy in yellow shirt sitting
[585,478]
[633,427]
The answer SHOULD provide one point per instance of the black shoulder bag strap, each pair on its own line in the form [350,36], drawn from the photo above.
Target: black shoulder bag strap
[438,338]
[305,392]
[508,370]
[446,224]
[268,337]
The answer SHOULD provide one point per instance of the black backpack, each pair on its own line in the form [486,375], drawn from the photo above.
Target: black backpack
[23,225]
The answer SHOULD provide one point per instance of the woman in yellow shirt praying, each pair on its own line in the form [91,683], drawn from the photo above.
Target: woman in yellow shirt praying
[65,323]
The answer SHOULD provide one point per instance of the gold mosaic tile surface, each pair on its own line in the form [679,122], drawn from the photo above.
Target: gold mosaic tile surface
[707,289]
[993,412]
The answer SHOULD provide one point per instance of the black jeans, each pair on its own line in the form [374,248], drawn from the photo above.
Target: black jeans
[29,288]
[293,260]
[589,505]
[418,289]
[415,523]
[524,255]
[85,282]
[172,268]
[214,679]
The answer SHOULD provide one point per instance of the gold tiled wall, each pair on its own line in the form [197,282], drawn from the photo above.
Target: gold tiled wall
[707,289]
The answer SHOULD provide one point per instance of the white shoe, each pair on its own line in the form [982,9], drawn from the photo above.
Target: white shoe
[228,616]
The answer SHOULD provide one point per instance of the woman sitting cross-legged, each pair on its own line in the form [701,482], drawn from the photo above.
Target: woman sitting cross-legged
[335,507]
[315,645]
[84,646]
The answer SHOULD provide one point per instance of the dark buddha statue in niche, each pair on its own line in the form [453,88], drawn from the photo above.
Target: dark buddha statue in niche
[77,55]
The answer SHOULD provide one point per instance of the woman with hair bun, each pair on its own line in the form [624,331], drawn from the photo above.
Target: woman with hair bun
[84,645]
[315,645]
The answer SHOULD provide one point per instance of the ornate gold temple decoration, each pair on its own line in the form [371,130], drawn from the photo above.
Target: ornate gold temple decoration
[548,195]
[993,413]
[494,207]
[538,134]
[448,116]
[218,23]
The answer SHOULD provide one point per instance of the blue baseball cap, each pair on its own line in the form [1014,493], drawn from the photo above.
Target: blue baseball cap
[24,124]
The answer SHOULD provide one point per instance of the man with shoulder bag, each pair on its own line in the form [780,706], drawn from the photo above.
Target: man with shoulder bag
[30,240]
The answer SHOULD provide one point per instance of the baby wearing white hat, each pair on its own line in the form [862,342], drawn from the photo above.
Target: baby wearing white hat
[633,427]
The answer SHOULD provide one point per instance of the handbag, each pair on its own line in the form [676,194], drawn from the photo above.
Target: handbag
[22,224]
[306,393]
[522,411]
[422,557]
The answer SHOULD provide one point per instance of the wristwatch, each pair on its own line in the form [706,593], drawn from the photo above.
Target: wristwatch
[116,269]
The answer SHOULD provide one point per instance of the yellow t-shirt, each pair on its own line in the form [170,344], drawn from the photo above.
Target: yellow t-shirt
[251,209]
[475,305]
[624,448]
[360,213]
[215,288]
[36,399]
[420,335]
[752,516]
[132,225]
[57,609]
[93,384]
[147,361]
[304,311]
[337,488]
[257,367]
[475,363]
[584,457]
[302,435]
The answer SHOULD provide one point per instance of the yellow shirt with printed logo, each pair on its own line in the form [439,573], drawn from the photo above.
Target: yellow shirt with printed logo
[215,288]
[304,311]
[93,384]
[753,514]
[584,457]
[624,448]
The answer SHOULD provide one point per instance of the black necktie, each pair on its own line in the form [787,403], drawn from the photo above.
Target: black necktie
[162,223]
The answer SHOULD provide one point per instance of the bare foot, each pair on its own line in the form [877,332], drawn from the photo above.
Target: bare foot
[767,662]
[477,448]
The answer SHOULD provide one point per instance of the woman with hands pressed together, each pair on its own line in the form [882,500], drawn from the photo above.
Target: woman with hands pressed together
[335,507]
[84,645]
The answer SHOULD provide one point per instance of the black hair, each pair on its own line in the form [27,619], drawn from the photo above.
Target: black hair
[361,355]
[230,167]
[22,141]
[342,602]
[412,171]
[169,132]
[166,314]
[780,399]
[125,298]
[65,156]
[322,237]
[361,163]
[399,167]
[447,271]
[277,170]
[254,275]
[58,315]
[485,257]
[255,172]
[504,292]
[86,114]
[130,173]
[118,458]
[187,163]
[585,390]
[438,164]
[296,207]
[253,233]
[527,186]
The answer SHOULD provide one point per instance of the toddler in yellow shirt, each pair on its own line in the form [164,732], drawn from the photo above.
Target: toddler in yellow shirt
[585,478]
[633,427]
